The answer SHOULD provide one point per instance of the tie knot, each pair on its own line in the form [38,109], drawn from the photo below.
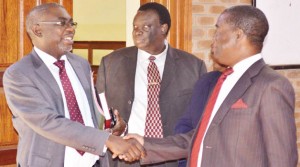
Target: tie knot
[60,64]
[228,71]
[152,58]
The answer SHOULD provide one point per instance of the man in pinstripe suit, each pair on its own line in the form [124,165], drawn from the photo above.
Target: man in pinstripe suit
[252,123]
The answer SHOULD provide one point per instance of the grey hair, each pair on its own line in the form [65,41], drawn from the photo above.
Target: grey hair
[36,12]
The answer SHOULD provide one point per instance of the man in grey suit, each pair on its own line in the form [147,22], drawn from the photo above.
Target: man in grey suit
[253,124]
[123,74]
[40,105]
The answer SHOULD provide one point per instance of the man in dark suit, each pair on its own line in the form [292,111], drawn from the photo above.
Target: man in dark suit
[123,73]
[252,122]
[57,126]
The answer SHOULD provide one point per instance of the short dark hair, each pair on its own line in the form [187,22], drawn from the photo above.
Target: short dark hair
[251,20]
[162,12]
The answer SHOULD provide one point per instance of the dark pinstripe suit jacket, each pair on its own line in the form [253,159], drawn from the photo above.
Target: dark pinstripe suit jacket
[261,135]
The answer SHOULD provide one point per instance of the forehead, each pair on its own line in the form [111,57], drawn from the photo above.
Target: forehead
[146,17]
[56,12]
[221,20]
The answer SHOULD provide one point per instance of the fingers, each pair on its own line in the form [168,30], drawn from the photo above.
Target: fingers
[129,150]
[139,138]
[120,126]
[116,112]
[138,147]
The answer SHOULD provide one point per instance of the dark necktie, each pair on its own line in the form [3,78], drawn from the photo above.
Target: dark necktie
[153,125]
[74,111]
[206,116]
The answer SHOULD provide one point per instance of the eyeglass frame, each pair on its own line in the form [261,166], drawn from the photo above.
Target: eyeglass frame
[62,23]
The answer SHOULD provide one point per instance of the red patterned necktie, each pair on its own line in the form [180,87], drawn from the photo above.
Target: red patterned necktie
[153,126]
[206,116]
[74,111]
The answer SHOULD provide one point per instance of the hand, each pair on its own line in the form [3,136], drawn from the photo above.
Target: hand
[120,126]
[129,150]
[133,141]
[139,138]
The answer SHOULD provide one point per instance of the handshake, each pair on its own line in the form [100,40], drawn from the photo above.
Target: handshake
[129,148]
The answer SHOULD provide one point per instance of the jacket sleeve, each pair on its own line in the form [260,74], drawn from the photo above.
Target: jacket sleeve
[166,149]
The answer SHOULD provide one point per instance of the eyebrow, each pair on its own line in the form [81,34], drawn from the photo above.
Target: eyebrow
[63,18]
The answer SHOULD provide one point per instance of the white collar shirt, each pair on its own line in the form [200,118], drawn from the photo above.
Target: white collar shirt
[136,123]
[238,70]
[72,157]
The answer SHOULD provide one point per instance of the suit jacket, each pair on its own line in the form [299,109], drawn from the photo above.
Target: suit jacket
[189,120]
[37,107]
[116,76]
[260,133]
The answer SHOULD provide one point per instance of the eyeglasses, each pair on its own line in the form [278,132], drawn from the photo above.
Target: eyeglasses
[64,23]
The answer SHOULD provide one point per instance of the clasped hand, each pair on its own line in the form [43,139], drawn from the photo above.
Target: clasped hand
[128,149]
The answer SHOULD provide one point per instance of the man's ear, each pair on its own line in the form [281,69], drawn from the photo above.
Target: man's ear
[239,34]
[36,29]
[164,29]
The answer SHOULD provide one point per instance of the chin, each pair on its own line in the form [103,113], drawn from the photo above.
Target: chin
[67,49]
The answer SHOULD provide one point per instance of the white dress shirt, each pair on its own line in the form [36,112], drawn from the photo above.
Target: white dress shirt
[137,120]
[238,70]
[72,157]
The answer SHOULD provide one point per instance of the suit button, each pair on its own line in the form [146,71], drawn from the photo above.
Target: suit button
[129,102]
[209,147]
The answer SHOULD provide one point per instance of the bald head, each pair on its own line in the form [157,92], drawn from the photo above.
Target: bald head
[251,20]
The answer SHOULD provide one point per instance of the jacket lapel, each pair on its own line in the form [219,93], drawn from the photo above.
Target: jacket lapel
[83,77]
[43,72]
[169,70]
[236,93]
[131,63]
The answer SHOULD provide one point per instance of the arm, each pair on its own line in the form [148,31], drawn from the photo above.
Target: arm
[34,104]
[278,124]
[164,149]
[101,75]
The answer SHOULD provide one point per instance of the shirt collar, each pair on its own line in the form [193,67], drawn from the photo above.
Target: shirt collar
[46,58]
[243,65]
[143,56]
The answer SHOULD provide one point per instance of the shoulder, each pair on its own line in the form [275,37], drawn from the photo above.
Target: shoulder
[268,75]
[122,52]
[177,53]
[25,65]
[184,58]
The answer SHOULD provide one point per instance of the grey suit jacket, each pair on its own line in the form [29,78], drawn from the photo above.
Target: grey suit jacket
[37,107]
[261,135]
[116,76]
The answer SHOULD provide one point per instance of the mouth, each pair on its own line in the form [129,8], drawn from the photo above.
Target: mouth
[68,40]
[138,40]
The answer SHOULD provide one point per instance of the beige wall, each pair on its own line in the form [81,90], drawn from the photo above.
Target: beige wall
[100,20]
